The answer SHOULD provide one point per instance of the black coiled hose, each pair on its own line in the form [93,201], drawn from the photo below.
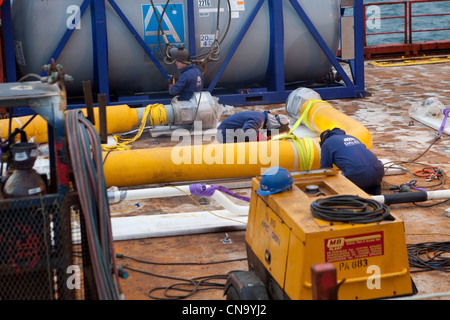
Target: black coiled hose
[429,256]
[351,209]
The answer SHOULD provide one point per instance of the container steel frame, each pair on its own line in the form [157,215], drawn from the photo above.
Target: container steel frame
[350,86]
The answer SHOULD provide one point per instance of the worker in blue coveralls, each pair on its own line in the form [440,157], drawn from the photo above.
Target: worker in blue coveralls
[357,163]
[252,126]
[190,80]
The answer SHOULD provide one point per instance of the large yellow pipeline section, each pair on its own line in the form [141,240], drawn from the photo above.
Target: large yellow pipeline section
[207,161]
[219,161]
[199,162]
[119,118]
[322,116]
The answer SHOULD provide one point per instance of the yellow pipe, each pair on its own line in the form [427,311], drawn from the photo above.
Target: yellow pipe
[198,162]
[220,161]
[120,118]
[201,162]
[36,128]
[323,116]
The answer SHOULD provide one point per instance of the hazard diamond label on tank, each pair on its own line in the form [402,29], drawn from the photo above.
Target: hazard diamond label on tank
[161,19]
[354,247]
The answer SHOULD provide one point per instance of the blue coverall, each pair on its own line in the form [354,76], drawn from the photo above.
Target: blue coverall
[190,81]
[356,162]
[244,121]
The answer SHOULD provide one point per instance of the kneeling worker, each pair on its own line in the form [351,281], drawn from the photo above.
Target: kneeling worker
[357,163]
[249,125]
[190,80]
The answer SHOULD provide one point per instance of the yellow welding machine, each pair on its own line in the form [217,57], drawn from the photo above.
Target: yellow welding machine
[284,240]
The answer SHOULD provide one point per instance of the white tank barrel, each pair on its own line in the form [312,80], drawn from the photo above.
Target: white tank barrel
[40,25]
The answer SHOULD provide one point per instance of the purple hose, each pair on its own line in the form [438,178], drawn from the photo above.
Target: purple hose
[200,189]
[445,112]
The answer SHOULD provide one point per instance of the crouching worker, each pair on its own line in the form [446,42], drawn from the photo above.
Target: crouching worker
[348,154]
[249,126]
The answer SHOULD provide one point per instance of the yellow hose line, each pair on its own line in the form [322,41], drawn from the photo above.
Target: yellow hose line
[207,161]
[230,160]
[322,116]
[197,162]
[120,118]
[158,117]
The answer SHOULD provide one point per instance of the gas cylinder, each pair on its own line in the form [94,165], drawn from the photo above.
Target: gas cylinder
[24,180]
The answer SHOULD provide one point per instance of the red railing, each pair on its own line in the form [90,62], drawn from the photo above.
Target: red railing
[380,4]
[407,18]
[411,15]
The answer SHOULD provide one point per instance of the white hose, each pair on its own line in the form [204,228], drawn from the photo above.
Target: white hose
[424,296]
[150,193]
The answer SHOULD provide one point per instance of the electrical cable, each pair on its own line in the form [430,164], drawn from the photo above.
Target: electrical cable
[197,283]
[215,47]
[34,75]
[28,122]
[85,155]
[194,284]
[428,234]
[438,134]
[431,205]
[440,174]
[350,209]
[429,147]
[118,255]
[160,29]
[412,184]
[429,256]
